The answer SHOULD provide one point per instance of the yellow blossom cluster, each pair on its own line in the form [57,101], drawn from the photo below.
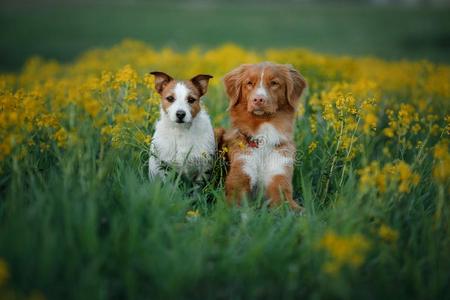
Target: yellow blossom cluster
[403,121]
[349,110]
[343,251]
[441,170]
[397,176]
[387,234]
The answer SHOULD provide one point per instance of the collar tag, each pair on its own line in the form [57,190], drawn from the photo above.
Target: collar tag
[253,143]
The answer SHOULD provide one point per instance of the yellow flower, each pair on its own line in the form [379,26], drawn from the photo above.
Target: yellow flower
[5,149]
[441,150]
[126,75]
[47,120]
[61,137]
[441,169]
[131,95]
[312,146]
[143,138]
[399,173]
[388,234]
[313,124]
[105,80]
[149,81]
[407,177]
[416,128]
[389,132]
[343,251]
[192,215]
[92,107]
[241,145]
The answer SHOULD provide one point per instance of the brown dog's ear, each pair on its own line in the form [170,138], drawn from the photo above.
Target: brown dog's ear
[233,82]
[161,80]
[201,82]
[295,86]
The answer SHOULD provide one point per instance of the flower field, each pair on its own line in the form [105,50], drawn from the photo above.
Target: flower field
[79,218]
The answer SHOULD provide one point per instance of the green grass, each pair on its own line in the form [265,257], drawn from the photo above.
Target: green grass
[81,225]
[62,32]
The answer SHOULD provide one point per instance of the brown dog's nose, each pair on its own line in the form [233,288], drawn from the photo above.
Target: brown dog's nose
[258,100]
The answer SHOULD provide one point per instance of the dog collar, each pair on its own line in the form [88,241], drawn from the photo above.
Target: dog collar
[252,142]
[257,141]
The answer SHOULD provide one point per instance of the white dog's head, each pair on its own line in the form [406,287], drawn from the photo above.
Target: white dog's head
[180,99]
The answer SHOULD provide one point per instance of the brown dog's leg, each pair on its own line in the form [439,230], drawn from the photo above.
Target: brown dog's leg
[237,184]
[279,189]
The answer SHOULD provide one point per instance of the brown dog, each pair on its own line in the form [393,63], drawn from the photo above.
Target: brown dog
[263,100]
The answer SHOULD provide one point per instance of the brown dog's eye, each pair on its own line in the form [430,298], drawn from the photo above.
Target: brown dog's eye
[274,83]
[191,99]
[170,98]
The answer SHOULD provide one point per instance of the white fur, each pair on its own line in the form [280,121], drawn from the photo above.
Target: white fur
[181,92]
[263,163]
[189,148]
[261,90]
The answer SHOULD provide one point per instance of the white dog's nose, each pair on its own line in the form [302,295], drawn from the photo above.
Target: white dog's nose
[180,115]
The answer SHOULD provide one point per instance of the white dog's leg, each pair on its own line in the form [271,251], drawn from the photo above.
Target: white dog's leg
[154,169]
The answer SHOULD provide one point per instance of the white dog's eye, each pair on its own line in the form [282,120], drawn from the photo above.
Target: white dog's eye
[191,99]
[170,98]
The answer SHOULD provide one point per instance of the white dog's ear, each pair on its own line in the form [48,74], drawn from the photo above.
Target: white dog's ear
[201,82]
[295,83]
[233,83]
[161,80]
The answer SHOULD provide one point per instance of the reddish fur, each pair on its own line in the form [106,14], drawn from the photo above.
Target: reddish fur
[237,184]
[218,136]
[279,106]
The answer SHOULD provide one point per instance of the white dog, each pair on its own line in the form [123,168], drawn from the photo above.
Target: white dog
[184,137]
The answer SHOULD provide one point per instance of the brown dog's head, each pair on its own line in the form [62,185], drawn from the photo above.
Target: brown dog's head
[264,88]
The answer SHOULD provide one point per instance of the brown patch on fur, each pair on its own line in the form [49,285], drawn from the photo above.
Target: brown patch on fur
[196,94]
[218,137]
[161,80]
[284,86]
[166,92]
[201,82]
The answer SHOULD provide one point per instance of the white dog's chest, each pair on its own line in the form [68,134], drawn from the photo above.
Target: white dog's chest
[181,149]
[187,149]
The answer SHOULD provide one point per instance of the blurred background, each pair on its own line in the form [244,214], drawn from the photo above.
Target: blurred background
[391,29]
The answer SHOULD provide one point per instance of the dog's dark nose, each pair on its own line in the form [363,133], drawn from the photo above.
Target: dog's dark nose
[180,114]
[258,100]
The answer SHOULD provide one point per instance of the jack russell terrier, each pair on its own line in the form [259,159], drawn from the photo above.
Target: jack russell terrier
[184,136]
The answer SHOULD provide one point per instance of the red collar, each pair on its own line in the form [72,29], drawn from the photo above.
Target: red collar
[252,142]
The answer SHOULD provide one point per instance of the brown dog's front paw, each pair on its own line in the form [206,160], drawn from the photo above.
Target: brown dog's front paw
[296,207]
